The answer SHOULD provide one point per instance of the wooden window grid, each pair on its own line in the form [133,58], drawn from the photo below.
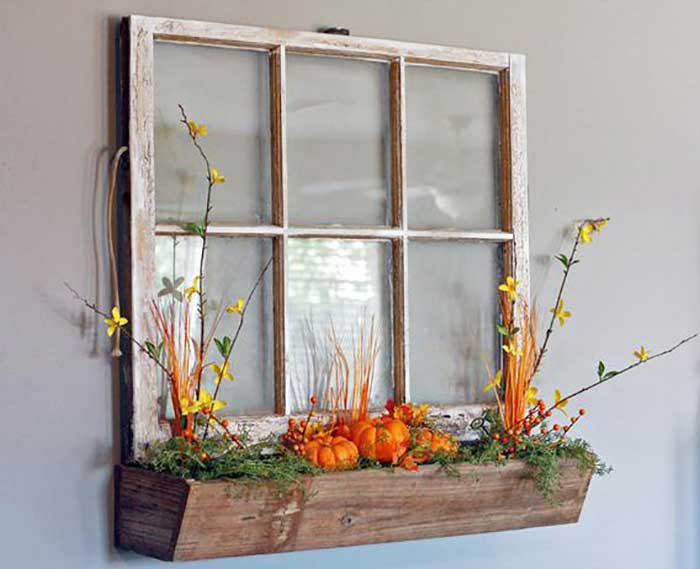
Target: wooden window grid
[141,32]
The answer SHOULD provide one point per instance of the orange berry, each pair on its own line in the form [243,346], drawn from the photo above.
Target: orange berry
[566,428]
[548,413]
[496,436]
[224,423]
[204,456]
[581,411]
[543,431]
[555,427]
[313,400]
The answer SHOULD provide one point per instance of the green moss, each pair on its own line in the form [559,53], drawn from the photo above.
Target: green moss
[270,461]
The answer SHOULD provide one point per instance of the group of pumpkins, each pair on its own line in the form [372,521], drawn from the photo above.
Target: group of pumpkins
[386,439]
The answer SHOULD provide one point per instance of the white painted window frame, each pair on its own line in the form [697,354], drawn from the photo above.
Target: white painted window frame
[145,425]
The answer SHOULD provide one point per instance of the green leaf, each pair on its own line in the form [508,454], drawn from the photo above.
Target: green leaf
[610,374]
[601,370]
[515,331]
[502,330]
[224,346]
[153,350]
[563,259]
[195,228]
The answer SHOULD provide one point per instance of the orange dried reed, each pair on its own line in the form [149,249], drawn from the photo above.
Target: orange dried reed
[349,386]
[181,357]
[518,370]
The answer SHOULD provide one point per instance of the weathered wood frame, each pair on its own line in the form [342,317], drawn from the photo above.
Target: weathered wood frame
[144,425]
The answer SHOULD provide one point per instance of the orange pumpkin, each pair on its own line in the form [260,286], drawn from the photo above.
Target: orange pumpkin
[430,442]
[331,452]
[384,439]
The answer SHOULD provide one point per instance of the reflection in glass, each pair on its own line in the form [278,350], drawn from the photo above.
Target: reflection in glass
[228,90]
[232,267]
[337,141]
[452,148]
[452,315]
[342,284]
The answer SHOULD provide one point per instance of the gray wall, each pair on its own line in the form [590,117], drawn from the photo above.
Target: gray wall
[613,91]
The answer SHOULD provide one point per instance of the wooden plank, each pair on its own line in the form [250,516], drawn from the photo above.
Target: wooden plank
[145,428]
[518,172]
[210,33]
[148,511]
[397,86]
[280,217]
[331,232]
[226,518]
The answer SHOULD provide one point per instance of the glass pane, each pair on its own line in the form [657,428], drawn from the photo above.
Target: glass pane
[232,267]
[452,319]
[228,90]
[337,141]
[452,149]
[343,285]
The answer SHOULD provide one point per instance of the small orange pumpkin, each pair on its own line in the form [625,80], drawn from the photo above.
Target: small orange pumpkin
[437,441]
[428,443]
[331,452]
[384,439]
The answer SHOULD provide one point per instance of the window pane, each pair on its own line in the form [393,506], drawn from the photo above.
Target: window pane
[452,318]
[232,267]
[228,90]
[337,141]
[452,148]
[344,284]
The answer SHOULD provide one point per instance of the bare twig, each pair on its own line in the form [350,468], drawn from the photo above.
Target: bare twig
[238,331]
[126,333]
[620,372]
[207,211]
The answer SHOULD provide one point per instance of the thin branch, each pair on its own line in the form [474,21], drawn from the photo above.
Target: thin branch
[620,372]
[560,293]
[126,333]
[200,292]
[227,358]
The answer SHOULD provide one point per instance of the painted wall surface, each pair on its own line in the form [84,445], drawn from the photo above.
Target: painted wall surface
[613,92]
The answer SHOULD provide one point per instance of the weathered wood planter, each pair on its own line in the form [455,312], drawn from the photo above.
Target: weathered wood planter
[176,519]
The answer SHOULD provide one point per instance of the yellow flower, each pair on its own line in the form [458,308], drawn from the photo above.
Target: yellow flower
[510,287]
[197,129]
[222,372]
[216,178]
[585,232]
[560,313]
[531,396]
[237,308]
[116,321]
[642,355]
[192,290]
[559,403]
[512,349]
[205,403]
[495,382]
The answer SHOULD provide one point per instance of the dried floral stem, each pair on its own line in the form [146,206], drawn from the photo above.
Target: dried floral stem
[620,372]
[202,257]
[126,333]
[227,358]
[560,293]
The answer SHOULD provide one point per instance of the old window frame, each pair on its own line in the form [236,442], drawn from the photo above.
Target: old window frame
[137,260]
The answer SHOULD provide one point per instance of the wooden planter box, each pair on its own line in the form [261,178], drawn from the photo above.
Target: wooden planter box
[175,519]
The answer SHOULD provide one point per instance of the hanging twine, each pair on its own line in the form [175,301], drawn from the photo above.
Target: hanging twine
[111,222]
